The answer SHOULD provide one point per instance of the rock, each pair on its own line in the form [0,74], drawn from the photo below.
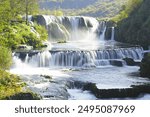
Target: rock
[22,54]
[46,76]
[82,23]
[89,24]
[145,66]
[134,91]
[117,63]
[24,47]
[24,96]
[57,32]
[66,22]
[131,62]
[39,19]
[108,33]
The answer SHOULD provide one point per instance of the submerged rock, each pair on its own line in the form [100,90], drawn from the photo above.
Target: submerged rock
[118,63]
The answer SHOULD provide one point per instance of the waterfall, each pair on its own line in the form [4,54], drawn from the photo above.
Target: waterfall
[81,58]
[112,34]
[70,28]
[103,31]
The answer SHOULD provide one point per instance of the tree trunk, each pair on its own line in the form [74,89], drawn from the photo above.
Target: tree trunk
[27,11]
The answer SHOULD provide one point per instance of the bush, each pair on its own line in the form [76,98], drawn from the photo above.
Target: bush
[5,58]
[20,33]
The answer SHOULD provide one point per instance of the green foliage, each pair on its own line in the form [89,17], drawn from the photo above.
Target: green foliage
[136,28]
[57,12]
[12,88]
[99,8]
[13,32]
[11,10]
[127,9]
[19,33]
[9,84]
[42,31]
[5,58]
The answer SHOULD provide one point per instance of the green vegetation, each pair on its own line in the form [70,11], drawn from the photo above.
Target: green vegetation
[145,66]
[5,58]
[19,33]
[15,31]
[57,12]
[11,87]
[135,29]
[127,9]
[99,8]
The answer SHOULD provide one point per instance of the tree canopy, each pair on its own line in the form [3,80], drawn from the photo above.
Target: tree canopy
[135,29]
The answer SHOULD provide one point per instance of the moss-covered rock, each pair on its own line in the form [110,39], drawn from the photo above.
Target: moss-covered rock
[24,96]
[145,66]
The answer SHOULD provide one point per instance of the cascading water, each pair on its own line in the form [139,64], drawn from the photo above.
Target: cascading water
[112,33]
[81,58]
[103,31]
[69,27]
[86,53]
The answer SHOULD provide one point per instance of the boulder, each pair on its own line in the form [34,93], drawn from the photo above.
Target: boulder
[131,62]
[145,66]
[117,63]
[39,19]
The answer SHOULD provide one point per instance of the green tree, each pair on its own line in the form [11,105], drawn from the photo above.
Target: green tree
[31,7]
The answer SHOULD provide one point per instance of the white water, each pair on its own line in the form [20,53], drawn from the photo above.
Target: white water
[112,34]
[85,58]
[102,36]
[78,94]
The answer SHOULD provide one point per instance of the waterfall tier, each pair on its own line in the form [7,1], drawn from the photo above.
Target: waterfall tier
[70,27]
[79,58]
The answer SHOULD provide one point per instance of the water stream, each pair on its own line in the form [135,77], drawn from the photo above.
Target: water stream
[86,67]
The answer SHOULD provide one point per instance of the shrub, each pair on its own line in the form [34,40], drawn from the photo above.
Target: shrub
[5,58]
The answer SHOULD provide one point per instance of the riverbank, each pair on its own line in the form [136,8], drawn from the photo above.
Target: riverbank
[12,88]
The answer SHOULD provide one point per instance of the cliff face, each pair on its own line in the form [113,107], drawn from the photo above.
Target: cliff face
[136,28]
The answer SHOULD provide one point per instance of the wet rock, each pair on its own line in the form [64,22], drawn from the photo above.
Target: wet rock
[108,33]
[66,22]
[57,32]
[82,23]
[134,91]
[117,63]
[145,66]
[131,62]
[39,19]
[22,54]
[47,76]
